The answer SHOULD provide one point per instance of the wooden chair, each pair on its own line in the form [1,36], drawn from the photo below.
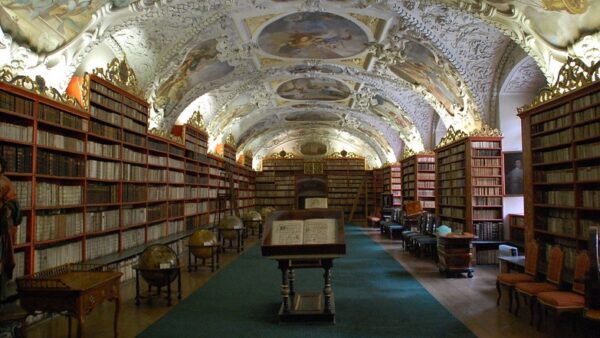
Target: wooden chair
[591,311]
[530,290]
[510,279]
[566,301]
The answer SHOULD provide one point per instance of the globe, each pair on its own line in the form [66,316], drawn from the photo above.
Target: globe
[228,226]
[266,211]
[154,263]
[198,239]
[252,220]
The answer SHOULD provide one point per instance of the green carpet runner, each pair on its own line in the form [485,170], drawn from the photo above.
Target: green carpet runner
[374,297]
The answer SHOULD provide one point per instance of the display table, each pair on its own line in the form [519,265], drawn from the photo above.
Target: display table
[455,253]
[75,289]
[302,239]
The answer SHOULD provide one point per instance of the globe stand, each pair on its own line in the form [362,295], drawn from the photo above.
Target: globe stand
[214,256]
[165,276]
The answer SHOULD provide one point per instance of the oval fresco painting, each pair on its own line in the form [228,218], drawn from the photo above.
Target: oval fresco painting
[313,149]
[312,116]
[313,89]
[313,35]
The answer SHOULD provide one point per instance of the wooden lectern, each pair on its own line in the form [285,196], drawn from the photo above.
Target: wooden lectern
[300,239]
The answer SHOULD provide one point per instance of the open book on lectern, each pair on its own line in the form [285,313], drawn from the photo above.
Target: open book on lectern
[308,231]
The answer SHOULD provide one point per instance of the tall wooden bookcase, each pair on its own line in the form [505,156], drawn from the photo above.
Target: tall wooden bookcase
[392,184]
[469,178]
[418,180]
[348,185]
[276,184]
[94,183]
[561,154]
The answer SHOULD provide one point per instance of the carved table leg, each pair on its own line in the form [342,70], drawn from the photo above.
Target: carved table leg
[285,289]
[116,319]
[291,278]
[80,321]
[327,290]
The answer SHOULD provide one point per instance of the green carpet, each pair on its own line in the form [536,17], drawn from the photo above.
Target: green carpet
[374,297]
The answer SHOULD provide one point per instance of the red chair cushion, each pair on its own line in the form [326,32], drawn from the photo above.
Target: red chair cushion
[561,299]
[514,278]
[535,288]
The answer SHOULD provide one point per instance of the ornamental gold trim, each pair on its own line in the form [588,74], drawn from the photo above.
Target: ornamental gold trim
[486,131]
[451,137]
[248,154]
[197,121]
[230,140]
[407,153]
[573,75]
[282,154]
[343,154]
[121,75]
[38,86]
[166,135]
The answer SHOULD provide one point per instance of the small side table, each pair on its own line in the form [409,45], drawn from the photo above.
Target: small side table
[164,276]
[239,238]
[214,249]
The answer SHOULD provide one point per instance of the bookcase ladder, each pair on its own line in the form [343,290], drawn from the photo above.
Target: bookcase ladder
[356,198]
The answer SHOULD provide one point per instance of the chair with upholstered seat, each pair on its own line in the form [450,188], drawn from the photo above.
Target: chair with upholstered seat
[566,301]
[530,290]
[510,279]
[591,311]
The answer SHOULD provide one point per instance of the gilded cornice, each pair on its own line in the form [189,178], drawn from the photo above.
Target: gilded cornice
[281,155]
[166,135]
[120,74]
[486,131]
[230,140]
[197,121]
[451,137]
[573,75]
[38,86]
[407,153]
[343,154]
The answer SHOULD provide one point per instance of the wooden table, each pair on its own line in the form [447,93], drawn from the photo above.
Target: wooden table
[511,262]
[317,306]
[71,289]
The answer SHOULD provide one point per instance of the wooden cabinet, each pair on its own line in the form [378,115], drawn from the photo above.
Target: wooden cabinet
[455,253]
[469,178]
[561,154]
[418,180]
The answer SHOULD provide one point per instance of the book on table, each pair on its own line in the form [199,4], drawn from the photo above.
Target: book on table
[308,231]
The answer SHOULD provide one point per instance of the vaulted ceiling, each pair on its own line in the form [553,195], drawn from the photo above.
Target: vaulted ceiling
[312,77]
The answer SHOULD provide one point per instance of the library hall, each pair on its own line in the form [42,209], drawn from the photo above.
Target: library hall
[299,168]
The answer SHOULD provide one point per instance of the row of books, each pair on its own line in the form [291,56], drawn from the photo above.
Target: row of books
[452,183]
[57,116]
[16,132]
[590,198]
[486,162]
[486,144]
[60,225]
[486,153]
[452,212]
[18,158]
[549,114]
[486,200]
[16,103]
[587,130]
[561,122]
[487,181]
[564,198]
[495,213]
[588,100]
[481,191]
[549,140]
[588,114]
[588,150]
[101,246]
[553,176]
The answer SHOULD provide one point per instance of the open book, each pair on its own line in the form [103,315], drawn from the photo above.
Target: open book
[308,231]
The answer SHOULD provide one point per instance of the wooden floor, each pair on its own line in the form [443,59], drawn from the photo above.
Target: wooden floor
[473,301]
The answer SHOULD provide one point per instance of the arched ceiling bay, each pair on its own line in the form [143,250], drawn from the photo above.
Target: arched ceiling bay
[368,76]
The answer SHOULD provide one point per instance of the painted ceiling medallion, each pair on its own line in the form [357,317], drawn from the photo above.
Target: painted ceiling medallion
[312,117]
[313,148]
[313,35]
[313,89]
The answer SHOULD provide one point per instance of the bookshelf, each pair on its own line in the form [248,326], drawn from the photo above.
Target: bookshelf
[516,230]
[469,178]
[276,184]
[95,186]
[392,183]
[418,180]
[348,184]
[561,142]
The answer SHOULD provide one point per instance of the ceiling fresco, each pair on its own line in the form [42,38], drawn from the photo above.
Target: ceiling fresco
[313,76]
[313,89]
[312,35]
